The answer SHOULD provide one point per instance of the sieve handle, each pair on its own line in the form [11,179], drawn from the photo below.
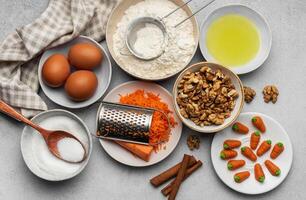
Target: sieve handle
[194,13]
[190,15]
[175,10]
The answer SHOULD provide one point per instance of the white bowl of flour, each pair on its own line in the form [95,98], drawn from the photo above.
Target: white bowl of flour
[181,45]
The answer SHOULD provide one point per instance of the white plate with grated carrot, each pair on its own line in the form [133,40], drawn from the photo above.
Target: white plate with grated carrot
[145,94]
[254,155]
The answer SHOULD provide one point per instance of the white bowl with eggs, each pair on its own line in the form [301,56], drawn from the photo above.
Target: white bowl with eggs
[103,73]
[259,23]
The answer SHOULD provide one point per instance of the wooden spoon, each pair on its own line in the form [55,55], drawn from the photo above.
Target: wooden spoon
[51,137]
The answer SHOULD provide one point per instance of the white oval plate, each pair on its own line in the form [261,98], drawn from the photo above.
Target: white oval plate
[125,157]
[276,133]
[53,169]
[103,73]
[262,27]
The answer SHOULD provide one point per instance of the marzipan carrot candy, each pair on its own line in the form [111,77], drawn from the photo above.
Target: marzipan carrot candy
[231,144]
[235,164]
[259,174]
[277,150]
[264,147]
[273,169]
[259,124]
[227,154]
[240,128]
[247,152]
[241,176]
[255,138]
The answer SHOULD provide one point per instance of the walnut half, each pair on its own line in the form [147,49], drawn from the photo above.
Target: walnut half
[249,94]
[270,93]
[193,142]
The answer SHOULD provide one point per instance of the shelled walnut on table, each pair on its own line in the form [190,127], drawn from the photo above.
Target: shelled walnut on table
[270,93]
[249,94]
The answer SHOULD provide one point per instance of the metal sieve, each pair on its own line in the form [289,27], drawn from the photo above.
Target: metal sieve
[125,123]
[139,23]
[131,36]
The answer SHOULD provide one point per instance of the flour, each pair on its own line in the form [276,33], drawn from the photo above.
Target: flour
[150,40]
[179,48]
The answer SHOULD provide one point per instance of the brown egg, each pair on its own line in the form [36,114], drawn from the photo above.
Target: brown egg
[85,56]
[55,70]
[81,85]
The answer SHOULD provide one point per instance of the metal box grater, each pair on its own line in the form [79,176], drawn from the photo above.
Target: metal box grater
[124,122]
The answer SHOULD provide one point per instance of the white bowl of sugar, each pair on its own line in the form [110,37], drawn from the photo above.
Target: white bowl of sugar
[35,151]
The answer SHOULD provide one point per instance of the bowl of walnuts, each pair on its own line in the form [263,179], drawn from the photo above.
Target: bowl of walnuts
[208,97]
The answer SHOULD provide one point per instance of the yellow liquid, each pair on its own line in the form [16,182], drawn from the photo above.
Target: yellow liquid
[233,40]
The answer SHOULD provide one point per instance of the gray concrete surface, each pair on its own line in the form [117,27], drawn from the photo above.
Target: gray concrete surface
[104,178]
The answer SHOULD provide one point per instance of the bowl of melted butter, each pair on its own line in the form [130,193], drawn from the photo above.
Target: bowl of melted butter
[237,37]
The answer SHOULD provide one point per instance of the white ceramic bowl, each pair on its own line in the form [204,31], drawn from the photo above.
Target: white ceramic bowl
[39,160]
[103,73]
[276,133]
[119,153]
[239,101]
[116,16]
[257,19]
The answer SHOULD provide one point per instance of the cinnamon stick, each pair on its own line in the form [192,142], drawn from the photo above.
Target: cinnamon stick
[179,178]
[166,190]
[170,173]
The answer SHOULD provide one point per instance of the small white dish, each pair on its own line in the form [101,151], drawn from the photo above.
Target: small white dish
[239,101]
[103,73]
[262,27]
[276,133]
[35,151]
[122,155]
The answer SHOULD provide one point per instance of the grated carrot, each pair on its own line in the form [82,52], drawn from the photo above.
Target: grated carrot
[159,131]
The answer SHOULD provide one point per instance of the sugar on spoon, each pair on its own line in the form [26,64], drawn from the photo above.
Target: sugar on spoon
[52,138]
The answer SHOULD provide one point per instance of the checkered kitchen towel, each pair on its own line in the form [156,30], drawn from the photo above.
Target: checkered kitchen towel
[62,21]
